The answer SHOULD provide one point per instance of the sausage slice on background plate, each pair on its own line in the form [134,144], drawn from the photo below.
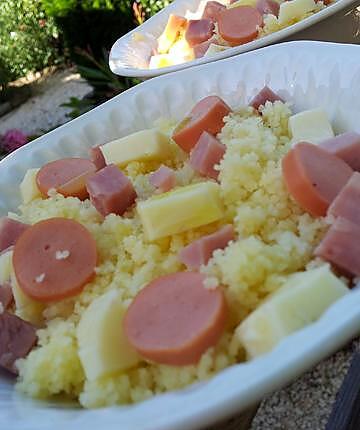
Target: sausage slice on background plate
[175,319]
[239,25]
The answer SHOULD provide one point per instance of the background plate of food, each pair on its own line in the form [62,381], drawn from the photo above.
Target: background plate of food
[192,32]
[224,218]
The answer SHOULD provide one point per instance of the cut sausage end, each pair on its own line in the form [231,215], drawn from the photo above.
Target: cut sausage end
[308,172]
[67,176]
[207,115]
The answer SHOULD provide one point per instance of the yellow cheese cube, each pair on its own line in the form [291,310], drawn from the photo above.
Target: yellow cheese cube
[294,10]
[161,60]
[5,267]
[242,3]
[180,210]
[28,188]
[143,145]
[299,302]
[26,308]
[311,126]
[103,346]
[172,30]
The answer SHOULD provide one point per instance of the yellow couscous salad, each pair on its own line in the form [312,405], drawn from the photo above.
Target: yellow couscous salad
[175,252]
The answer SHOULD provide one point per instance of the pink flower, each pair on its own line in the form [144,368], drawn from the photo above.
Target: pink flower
[13,139]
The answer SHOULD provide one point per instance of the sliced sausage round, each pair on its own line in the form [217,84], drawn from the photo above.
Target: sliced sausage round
[67,176]
[239,25]
[175,319]
[54,259]
[314,177]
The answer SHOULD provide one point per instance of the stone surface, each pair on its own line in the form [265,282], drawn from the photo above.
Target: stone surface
[43,112]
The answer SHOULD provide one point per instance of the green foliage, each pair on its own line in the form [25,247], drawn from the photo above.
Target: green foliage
[27,38]
[151,7]
[90,24]
[77,106]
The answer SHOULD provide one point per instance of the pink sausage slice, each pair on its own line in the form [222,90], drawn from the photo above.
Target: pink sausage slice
[206,154]
[347,202]
[163,179]
[6,295]
[67,176]
[199,30]
[266,7]
[200,251]
[207,115]
[341,247]
[345,146]
[263,96]
[110,191]
[239,25]
[314,177]
[17,338]
[175,319]
[10,231]
[212,10]
[97,157]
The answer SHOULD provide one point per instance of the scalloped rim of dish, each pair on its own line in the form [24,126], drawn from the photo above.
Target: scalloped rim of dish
[148,25]
[203,403]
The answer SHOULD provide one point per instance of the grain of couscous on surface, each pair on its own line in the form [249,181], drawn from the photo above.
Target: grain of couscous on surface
[275,238]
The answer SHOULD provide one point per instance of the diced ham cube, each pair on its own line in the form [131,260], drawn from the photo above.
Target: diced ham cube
[347,202]
[163,179]
[341,247]
[200,251]
[266,7]
[212,10]
[345,146]
[201,48]
[6,295]
[207,153]
[10,231]
[198,31]
[111,191]
[97,157]
[17,338]
[265,95]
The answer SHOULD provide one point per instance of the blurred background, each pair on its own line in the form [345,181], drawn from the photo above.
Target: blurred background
[54,60]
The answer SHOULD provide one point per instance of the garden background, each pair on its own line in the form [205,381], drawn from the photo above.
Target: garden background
[39,39]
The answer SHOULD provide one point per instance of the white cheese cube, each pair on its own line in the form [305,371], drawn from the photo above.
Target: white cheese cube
[28,188]
[294,10]
[103,346]
[299,302]
[161,60]
[311,126]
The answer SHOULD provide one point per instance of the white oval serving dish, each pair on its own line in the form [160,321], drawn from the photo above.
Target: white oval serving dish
[309,74]
[129,57]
